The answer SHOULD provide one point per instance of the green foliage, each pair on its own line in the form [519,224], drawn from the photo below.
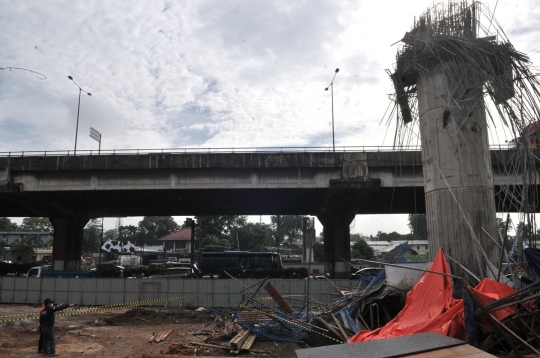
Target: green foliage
[37,224]
[223,227]
[357,237]
[318,252]
[22,252]
[32,240]
[255,237]
[501,227]
[290,228]
[91,237]
[128,233]
[7,225]
[152,228]
[211,243]
[418,226]
[111,234]
[393,236]
[361,250]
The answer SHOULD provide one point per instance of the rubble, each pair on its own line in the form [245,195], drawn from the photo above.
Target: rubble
[491,316]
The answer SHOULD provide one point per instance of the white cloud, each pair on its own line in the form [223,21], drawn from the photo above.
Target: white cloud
[209,73]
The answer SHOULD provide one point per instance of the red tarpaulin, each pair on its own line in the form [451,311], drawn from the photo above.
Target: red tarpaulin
[430,307]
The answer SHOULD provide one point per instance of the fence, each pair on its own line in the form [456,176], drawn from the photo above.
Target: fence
[113,291]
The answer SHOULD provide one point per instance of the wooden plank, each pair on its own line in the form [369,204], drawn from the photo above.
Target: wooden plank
[276,296]
[248,343]
[332,329]
[223,347]
[340,327]
[158,336]
[464,351]
[228,330]
[240,338]
[165,336]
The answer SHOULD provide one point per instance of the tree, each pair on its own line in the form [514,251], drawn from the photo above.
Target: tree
[128,233]
[223,227]
[381,236]
[361,250]
[91,236]
[318,252]
[356,237]
[152,228]
[7,225]
[290,228]
[254,237]
[22,252]
[111,234]
[418,226]
[211,243]
[37,224]
[33,240]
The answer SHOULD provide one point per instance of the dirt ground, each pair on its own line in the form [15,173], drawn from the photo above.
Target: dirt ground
[125,333]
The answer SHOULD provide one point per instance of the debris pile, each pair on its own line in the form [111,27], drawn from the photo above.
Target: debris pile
[491,315]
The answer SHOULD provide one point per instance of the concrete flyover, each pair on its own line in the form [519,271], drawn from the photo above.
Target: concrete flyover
[333,186]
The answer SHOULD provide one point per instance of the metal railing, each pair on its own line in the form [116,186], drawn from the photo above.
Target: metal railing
[195,150]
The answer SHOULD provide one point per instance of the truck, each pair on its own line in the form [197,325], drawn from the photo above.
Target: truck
[46,271]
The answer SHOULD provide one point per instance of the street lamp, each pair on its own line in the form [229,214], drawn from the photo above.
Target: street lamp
[78,111]
[331,86]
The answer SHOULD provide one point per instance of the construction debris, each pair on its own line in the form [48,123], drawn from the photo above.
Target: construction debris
[161,336]
[226,331]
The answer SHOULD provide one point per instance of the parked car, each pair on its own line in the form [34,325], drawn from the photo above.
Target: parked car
[177,272]
[109,271]
[368,271]
[46,271]
[121,268]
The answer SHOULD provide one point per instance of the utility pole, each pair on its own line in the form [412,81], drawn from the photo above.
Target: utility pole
[191,224]
[101,241]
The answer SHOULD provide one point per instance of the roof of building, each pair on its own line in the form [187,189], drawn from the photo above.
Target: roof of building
[182,235]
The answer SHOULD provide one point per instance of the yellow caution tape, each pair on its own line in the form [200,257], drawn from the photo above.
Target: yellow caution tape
[96,309]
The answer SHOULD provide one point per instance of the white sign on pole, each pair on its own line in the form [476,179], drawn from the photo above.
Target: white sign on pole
[94,134]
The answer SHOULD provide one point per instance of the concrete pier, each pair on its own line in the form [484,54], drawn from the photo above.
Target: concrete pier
[458,180]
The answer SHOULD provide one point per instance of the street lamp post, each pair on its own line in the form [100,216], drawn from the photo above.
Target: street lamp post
[331,86]
[78,111]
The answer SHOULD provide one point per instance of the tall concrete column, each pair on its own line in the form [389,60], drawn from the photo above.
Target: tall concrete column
[67,243]
[455,154]
[337,244]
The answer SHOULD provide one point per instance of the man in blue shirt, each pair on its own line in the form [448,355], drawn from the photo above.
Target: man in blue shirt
[46,321]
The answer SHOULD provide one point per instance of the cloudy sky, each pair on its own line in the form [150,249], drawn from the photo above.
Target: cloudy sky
[175,74]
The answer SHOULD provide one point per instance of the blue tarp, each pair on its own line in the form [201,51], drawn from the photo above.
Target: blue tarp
[533,259]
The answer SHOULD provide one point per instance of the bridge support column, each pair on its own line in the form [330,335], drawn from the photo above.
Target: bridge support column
[337,244]
[67,243]
[458,181]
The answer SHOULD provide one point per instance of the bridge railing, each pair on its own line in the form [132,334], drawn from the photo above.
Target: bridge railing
[195,150]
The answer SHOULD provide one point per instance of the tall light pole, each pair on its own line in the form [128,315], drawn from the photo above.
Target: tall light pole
[78,111]
[331,86]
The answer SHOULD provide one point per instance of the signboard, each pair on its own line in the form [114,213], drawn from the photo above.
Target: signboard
[94,134]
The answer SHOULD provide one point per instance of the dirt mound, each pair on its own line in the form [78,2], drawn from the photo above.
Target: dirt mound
[141,317]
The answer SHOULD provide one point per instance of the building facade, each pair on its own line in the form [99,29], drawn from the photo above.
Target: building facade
[179,242]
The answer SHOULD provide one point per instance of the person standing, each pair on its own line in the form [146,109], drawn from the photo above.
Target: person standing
[40,342]
[46,321]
